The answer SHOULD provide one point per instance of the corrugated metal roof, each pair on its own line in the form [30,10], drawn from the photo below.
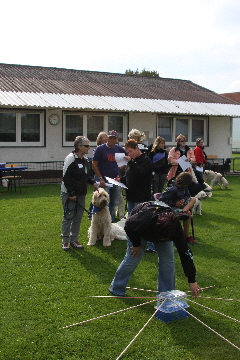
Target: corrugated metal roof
[109,103]
[36,79]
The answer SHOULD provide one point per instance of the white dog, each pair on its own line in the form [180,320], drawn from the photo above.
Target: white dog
[208,190]
[197,207]
[101,227]
[223,182]
[214,177]
[118,230]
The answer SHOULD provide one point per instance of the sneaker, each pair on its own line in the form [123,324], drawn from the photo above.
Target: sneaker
[65,246]
[89,217]
[76,245]
[114,294]
[190,240]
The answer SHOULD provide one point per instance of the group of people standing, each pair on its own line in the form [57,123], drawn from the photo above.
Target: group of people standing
[144,175]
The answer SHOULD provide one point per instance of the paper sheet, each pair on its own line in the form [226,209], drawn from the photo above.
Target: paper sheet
[199,168]
[119,157]
[184,164]
[106,184]
[115,182]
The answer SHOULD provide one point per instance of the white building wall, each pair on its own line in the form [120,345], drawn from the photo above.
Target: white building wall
[219,139]
[53,151]
[220,131]
[236,133]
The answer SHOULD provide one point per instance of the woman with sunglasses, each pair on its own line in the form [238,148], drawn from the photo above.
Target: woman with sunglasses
[76,176]
[175,153]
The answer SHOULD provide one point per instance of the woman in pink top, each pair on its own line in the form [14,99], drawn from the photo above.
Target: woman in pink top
[175,153]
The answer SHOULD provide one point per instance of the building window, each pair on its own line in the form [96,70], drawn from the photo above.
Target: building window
[165,129]
[116,123]
[21,128]
[191,127]
[182,127]
[90,125]
[198,130]
[74,127]
[95,124]
[30,128]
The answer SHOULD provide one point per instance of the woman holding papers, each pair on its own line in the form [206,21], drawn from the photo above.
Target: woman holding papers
[175,153]
[138,175]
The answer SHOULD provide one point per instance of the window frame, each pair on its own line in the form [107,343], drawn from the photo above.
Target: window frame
[190,118]
[105,124]
[18,142]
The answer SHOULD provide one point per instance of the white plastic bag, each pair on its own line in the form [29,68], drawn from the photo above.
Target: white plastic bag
[5,182]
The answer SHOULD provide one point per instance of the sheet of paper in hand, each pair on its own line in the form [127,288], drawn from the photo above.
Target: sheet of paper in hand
[115,182]
[119,157]
[183,163]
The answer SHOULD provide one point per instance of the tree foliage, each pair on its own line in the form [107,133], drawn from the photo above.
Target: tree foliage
[144,72]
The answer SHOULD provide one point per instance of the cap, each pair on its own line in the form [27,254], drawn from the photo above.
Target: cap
[113,133]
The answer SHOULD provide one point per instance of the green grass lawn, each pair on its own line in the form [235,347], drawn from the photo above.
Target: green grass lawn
[45,288]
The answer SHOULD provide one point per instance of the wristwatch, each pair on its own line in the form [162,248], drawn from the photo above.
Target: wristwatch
[100,178]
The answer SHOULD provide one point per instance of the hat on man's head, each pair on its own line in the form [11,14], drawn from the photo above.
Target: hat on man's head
[113,133]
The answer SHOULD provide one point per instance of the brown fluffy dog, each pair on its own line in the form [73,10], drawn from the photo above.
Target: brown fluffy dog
[101,219]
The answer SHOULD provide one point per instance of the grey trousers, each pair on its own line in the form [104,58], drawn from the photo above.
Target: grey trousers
[71,227]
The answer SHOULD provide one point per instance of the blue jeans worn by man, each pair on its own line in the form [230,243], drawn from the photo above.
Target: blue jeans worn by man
[114,193]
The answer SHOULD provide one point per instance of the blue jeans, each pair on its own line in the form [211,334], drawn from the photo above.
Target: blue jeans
[114,193]
[166,269]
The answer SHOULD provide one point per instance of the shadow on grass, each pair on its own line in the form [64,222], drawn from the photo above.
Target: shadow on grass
[100,261]
[216,347]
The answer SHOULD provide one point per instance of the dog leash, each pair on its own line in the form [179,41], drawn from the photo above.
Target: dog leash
[74,210]
[68,211]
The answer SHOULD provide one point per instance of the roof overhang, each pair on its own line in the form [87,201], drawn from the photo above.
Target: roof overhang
[108,103]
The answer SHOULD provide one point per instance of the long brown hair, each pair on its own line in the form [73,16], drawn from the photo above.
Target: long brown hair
[156,143]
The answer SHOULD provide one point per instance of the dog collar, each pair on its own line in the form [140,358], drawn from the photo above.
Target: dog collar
[96,209]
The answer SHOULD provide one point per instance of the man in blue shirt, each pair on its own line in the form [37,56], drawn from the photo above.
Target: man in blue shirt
[104,164]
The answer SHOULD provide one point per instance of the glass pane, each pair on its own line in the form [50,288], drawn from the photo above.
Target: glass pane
[8,127]
[182,128]
[94,126]
[74,127]
[165,128]
[197,129]
[30,127]
[116,123]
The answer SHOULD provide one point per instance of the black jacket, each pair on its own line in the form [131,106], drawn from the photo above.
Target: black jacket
[161,166]
[142,224]
[76,175]
[138,179]
[173,194]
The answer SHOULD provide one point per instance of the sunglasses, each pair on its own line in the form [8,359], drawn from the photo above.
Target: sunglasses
[182,140]
[87,146]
